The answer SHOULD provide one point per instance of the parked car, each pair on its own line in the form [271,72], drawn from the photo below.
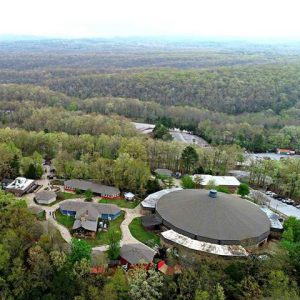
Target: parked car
[290,201]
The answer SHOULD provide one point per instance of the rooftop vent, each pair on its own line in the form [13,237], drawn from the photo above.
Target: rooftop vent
[213,194]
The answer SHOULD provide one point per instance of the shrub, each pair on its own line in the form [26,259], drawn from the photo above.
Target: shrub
[187,182]
[223,189]
[243,189]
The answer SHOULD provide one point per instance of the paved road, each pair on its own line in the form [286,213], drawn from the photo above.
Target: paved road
[285,209]
[188,138]
[177,135]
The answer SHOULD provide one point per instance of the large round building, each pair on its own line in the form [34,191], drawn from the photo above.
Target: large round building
[213,217]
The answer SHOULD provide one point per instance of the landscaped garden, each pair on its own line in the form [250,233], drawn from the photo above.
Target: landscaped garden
[120,202]
[147,237]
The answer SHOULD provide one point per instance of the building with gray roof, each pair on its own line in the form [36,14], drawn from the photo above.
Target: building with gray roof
[45,197]
[104,191]
[223,220]
[94,210]
[133,254]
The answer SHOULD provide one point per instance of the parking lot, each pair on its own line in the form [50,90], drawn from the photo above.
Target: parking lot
[283,208]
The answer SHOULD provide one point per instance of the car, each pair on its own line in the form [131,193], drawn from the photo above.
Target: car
[290,201]
[298,206]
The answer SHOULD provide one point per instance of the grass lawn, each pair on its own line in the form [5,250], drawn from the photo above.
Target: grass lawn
[67,221]
[120,202]
[61,196]
[147,237]
[66,195]
[102,237]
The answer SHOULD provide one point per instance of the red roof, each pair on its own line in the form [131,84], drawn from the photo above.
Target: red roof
[97,270]
[168,270]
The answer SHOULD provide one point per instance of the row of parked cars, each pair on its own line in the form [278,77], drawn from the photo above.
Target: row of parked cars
[282,199]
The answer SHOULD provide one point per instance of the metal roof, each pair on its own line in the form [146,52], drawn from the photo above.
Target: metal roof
[45,196]
[88,211]
[151,200]
[224,250]
[218,180]
[137,253]
[85,185]
[86,224]
[20,183]
[100,207]
[273,217]
[226,220]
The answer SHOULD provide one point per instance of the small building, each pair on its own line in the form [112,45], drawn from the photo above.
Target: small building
[285,151]
[21,186]
[229,182]
[129,196]
[105,211]
[86,221]
[45,197]
[151,222]
[101,190]
[276,226]
[136,254]
[163,172]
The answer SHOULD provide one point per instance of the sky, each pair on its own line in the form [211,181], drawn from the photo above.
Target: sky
[110,18]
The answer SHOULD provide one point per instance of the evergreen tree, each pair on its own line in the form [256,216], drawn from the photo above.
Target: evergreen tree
[189,158]
[15,166]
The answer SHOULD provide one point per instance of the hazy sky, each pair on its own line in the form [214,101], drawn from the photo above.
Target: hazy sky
[92,18]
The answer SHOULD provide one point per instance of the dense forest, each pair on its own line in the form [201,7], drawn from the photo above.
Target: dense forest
[73,102]
[243,93]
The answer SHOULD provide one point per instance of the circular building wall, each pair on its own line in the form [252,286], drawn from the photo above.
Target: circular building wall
[225,220]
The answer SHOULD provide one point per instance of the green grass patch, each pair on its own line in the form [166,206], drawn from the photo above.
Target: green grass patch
[102,237]
[147,237]
[67,221]
[120,202]
[66,195]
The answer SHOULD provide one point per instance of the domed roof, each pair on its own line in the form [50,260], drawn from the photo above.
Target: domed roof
[226,219]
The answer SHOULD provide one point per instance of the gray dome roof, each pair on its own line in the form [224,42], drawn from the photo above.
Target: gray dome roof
[225,220]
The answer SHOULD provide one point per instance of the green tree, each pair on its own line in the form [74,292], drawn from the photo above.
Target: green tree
[145,284]
[79,249]
[113,246]
[15,166]
[162,132]
[243,189]
[187,182]
[189,159]
[279,286]
[120,284]
[248,289]
[88,195]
